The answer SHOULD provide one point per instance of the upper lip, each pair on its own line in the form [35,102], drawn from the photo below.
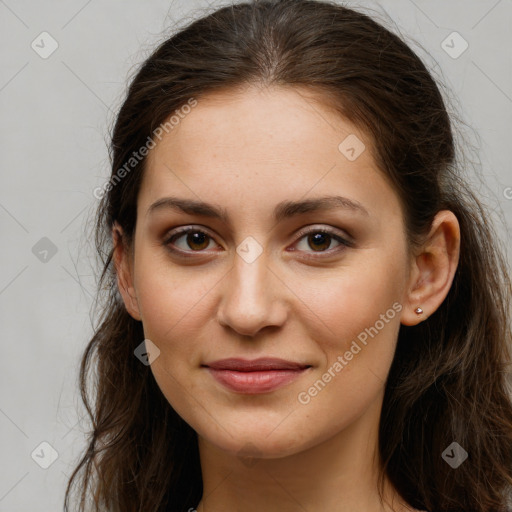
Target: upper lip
[261,364]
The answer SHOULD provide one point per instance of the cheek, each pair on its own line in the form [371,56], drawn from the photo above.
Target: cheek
[172,303]
[352,299]
[359,311]
[171,298]
[358,349]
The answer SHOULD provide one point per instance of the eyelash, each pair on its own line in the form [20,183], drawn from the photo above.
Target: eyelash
[186,254]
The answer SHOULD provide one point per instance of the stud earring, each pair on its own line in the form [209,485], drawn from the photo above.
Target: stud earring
[418,311]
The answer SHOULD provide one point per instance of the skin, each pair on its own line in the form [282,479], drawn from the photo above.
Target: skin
[246,151]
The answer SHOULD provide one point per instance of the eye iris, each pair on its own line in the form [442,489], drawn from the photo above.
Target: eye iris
[197,237]
[320,238]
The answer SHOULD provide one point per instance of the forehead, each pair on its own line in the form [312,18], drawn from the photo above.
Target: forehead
[259,121]
[251,146]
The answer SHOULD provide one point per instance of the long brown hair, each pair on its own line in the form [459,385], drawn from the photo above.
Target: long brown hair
[449,378]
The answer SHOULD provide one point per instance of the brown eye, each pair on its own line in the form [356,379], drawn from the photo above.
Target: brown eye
[320,241]
[192,240]
[197,240]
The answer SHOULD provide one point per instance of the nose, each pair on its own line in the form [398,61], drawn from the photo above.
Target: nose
[253,297]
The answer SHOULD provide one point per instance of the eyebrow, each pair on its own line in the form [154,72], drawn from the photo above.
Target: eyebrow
[283,210]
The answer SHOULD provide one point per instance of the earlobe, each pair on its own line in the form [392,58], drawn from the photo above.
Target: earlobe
[124,272]
[433,269]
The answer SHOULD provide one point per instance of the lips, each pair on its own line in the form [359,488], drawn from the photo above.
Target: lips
[255,376]
[261,364]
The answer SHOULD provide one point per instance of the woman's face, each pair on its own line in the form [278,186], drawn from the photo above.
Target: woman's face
[319,285]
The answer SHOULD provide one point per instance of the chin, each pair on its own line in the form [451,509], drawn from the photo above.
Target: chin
[254,442]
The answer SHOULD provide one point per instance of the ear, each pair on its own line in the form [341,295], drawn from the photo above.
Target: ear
[123,263]
[432,269]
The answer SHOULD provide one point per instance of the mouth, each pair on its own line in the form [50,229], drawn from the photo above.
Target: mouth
[255,376]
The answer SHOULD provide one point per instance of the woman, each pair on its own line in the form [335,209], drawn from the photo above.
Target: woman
[306,306]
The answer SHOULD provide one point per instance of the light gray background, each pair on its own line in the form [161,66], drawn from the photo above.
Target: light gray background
[54,124]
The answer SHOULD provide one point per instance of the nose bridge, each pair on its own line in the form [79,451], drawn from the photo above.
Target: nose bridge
[250,297]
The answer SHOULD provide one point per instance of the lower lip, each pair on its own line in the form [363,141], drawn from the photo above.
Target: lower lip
[255,382]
